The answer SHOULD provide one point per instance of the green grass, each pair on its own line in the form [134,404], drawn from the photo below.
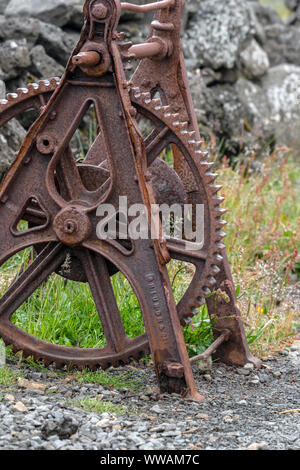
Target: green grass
[278,5]
[7,377]
[263,245]
[106,379]
[93,405]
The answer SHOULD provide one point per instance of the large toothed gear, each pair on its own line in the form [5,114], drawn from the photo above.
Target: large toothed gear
[205,192]
[168,130]
[62,200]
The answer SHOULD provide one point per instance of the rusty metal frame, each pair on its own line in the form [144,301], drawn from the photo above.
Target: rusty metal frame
[120,162]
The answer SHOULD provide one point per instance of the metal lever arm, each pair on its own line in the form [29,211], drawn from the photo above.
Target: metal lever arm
[146,8]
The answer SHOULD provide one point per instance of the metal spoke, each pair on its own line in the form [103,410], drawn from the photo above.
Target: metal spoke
[179,250]
[23,287]
[71,176]
[156,142]
[99,280]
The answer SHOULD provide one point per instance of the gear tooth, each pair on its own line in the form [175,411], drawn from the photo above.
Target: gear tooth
[54,81]
[186,321]
[198,144]
[175,118]
[37,358]
[15,349]
[136,355]
[199,154]
[215,188]
[191,138]
[142,354]
[220,245]
[11,96]
[211,281]
[220,236]
[220,211]
[43,85]
[218,258]
[191,135]
[146,97]
[218,200]
[221,223]
[215,269]
[3,102]
[123,362]
[156,102]
[206,291]
[206,165]
[210,177]
[136,92]
[59,364]
[22,91]
[201,301]
[183,126]
[189,316]
[33,87]
[167,111]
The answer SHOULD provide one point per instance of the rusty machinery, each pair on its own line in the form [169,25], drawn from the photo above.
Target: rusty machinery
[58,198]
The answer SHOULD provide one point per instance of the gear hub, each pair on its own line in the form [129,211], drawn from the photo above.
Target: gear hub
[72,226]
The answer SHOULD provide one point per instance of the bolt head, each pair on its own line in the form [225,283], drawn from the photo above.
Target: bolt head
[173,370]
[72,226]
[99,11]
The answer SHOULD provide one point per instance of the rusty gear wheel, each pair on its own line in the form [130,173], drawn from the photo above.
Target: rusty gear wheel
[168,131]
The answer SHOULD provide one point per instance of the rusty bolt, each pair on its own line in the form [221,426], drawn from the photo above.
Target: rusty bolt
[99,11]
[46,144]
[89,59]
[53,115]
[148,176]
[70,226]
[173,369]
[132,111]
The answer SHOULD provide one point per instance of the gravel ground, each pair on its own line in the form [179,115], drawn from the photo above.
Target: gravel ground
[243,410]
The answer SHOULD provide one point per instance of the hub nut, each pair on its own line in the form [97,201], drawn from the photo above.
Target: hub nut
[99,11]
[72,226]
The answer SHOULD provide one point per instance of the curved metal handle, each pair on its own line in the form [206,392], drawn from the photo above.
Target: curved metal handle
[146,8]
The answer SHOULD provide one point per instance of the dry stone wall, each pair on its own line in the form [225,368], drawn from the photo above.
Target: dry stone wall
[243,63]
